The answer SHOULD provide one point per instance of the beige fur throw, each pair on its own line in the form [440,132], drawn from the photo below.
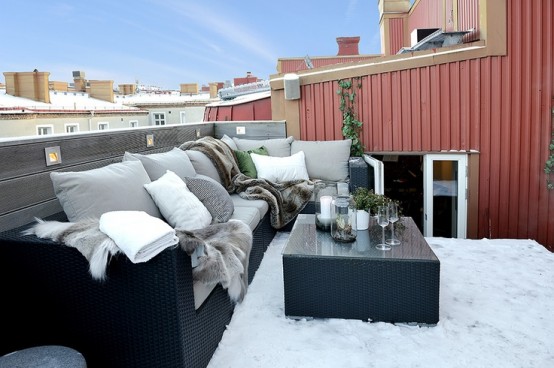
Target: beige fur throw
[225,250]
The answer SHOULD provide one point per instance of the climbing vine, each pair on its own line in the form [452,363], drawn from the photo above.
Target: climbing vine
[549,166]
[351,126]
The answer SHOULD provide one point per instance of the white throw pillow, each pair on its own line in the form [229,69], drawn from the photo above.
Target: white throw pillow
[181,209]
[278,169]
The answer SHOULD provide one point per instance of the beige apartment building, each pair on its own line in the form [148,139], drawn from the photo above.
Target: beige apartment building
[31,104]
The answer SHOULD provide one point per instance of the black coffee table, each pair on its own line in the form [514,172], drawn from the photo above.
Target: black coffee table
[327,279]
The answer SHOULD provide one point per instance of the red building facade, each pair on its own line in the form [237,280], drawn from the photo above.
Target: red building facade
[491,98]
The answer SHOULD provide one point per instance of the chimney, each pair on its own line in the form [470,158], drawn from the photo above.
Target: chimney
[348,45]
[189,88]
[102,90]
[80,83]
[32,85]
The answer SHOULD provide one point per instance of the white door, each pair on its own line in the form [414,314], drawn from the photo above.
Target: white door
[445,195]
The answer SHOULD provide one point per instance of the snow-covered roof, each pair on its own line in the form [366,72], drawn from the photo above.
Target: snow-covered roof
[170,97]
[242,99]
[59,101]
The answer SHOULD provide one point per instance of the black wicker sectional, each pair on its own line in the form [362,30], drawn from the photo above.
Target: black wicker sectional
[143,315]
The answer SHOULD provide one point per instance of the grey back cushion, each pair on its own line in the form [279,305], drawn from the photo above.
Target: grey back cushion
[157,164]
[116,187]
[325,160]
[230,142]
[277,147]
[203,165]
[213,195]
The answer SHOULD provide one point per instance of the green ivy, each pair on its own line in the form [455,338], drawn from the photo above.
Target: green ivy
[351,126]
[549,166]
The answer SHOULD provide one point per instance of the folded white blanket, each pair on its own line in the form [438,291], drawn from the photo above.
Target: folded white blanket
[139,235]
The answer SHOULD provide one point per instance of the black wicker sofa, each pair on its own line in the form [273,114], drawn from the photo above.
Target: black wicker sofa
[142,315]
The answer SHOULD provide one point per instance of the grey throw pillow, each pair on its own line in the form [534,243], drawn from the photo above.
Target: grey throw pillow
[116,187]
[230,142]
[203,165]
[277,147]
[325,160]
[213,195]
[157,164]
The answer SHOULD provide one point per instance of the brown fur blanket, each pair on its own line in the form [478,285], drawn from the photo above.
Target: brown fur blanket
[222,256]
[285,199]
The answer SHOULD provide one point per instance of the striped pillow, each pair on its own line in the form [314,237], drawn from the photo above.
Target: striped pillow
[213,195]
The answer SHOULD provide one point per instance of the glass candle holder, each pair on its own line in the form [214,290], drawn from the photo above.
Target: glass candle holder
[323,194]
[343,223]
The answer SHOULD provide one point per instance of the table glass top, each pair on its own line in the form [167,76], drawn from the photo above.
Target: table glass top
[306,240]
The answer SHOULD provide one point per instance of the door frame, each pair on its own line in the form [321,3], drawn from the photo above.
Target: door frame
[462,188]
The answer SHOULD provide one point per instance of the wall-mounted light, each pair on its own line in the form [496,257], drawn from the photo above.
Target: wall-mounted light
[150,140]
[292,86]
[53,155]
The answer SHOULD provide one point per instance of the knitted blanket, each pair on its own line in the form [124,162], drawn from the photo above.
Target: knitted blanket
[221,251]
[285,199]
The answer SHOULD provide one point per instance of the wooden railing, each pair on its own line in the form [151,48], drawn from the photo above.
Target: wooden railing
[25,185]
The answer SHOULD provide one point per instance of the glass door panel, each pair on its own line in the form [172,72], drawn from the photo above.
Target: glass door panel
[445,204]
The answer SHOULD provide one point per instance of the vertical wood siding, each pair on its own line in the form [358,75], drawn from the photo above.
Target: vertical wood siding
[499,106]
[396,35]
[468,17]
[254,110]
[427,14]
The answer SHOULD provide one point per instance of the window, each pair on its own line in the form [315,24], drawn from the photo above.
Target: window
[103,126]
[183,116]
[71,128]
[45,129]
[158,118]
[133,123]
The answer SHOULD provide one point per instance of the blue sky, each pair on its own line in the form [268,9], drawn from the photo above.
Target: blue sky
[168,42]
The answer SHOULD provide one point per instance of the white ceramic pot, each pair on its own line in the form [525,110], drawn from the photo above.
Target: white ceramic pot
[362,220]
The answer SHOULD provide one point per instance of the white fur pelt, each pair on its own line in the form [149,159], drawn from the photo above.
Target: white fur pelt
[224,260]
[84,235]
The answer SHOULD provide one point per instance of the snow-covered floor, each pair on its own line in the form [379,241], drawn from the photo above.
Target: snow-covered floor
[496,310]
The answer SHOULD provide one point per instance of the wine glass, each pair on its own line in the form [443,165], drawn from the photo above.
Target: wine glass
[383,221]
[393,217]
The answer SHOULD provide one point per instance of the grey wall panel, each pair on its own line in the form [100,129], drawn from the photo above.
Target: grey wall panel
[252,129]
[26,157]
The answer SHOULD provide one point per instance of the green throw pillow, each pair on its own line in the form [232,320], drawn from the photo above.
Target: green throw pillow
[246,165]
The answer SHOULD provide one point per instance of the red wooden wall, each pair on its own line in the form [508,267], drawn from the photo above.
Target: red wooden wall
[499,106]
[252,110]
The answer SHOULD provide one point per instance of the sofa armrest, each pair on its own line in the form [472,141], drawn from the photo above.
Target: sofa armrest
[358,171]
[142,315]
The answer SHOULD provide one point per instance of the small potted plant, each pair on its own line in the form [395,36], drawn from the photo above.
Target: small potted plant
[363,199]
[367,203]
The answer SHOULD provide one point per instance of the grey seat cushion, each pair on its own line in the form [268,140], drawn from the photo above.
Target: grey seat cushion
[249,215]
[259,204]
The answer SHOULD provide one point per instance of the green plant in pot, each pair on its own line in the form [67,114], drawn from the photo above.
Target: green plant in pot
[366,200]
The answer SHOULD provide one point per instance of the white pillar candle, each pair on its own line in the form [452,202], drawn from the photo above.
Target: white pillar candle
[325,206]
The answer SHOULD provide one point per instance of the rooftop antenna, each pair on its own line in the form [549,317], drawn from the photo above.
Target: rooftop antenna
[308,62]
